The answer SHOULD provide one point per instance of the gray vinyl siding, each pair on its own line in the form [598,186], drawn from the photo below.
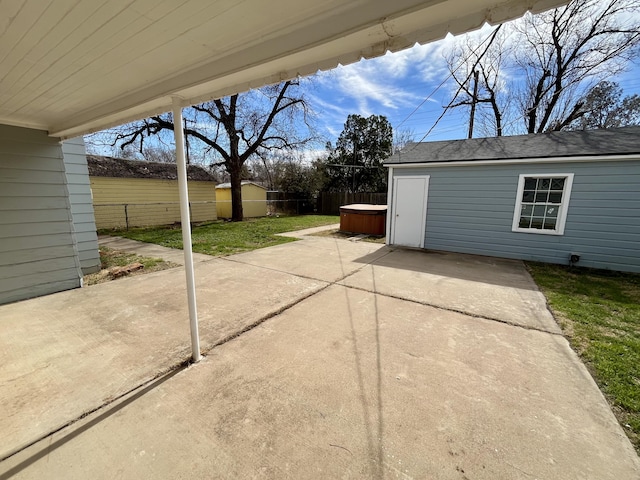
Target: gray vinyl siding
[470,210]
[77,173]
[37,248]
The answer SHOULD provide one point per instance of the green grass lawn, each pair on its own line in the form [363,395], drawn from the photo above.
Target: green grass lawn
[599,312]
[226,238]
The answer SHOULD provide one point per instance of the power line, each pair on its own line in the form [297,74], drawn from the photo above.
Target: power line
[451,73]
[446,109]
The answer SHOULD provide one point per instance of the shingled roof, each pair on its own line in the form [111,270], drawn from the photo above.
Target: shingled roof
[100,166]
[614,141]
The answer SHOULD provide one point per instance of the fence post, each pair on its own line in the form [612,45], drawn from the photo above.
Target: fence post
[126,215]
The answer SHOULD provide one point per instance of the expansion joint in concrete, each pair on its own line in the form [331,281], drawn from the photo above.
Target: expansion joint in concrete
[453,310]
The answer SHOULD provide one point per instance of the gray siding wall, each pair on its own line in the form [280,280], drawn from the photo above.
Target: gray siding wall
[470,210]
[77,173]
[37,246]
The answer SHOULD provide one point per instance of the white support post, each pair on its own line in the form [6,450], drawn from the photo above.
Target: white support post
[186,228]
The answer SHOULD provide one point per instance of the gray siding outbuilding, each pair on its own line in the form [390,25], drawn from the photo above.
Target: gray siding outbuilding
[38,252]
[533,197]
[79,186]
[47,231]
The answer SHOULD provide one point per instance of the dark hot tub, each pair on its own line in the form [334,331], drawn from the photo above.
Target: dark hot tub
[362,218]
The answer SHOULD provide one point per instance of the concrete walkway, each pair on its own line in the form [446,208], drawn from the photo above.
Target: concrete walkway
[324,359]
[149,249]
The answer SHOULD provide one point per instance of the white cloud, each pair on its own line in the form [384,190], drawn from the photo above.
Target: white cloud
[392,82]
[333,132]
[333,110]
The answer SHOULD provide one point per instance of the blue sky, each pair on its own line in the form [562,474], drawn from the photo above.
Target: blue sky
[396,84]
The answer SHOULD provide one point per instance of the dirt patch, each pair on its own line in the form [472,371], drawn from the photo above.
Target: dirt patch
[116,264]
[352,236]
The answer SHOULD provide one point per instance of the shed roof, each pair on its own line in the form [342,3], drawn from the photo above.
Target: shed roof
[244,182]
[100,166]
[615,141]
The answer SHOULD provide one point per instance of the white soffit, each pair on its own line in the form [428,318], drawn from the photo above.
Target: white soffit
[72,67]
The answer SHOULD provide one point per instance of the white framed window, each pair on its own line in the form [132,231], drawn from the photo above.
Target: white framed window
[542,202]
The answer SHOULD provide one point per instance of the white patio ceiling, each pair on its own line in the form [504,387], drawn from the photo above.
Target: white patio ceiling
[75,66]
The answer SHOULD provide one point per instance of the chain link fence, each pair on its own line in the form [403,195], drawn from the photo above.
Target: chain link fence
[128,215]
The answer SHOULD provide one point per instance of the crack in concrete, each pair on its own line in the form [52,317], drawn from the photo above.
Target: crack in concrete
[397,297]
[462,312]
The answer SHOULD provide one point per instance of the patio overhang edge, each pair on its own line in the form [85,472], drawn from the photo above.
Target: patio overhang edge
[241,72]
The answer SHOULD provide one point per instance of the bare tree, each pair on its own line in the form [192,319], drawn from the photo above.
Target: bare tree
[235,129]
[564,52]
[267,169]
[483,61]
[401,138]
[101,143]
[159,154]
[288,172]
[545,65]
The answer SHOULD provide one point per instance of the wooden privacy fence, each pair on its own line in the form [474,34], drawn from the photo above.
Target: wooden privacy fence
[329,203]
[127,215]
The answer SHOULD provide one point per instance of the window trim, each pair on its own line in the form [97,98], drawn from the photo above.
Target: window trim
[562,212]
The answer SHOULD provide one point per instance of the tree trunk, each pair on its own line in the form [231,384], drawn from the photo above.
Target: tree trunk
[236,193]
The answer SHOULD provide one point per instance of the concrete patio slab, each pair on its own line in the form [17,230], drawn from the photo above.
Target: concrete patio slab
[66,354]
[325,259]
[309,374]
[488,287]
[348,384]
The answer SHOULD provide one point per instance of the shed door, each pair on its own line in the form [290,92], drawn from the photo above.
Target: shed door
[409,210]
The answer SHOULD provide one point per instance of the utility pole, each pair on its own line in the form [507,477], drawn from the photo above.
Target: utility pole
[474,100]
[186,141]
[355,160]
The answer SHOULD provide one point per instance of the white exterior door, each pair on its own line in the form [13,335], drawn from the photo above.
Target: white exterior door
[409,213]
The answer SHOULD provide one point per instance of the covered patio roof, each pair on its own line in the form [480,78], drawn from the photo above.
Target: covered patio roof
[72,67]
